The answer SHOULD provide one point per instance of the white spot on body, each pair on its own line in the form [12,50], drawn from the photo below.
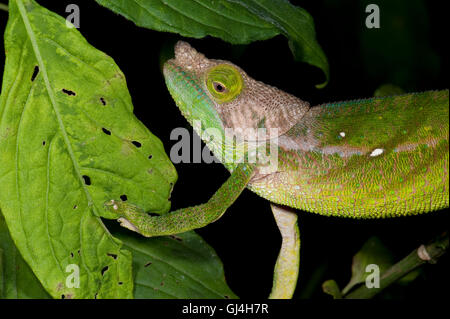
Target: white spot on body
[376,152]
[342,134]
[115,207]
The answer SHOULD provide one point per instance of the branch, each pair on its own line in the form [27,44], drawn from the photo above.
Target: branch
[424,254]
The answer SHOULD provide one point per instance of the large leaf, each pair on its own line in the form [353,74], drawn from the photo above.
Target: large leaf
[69,142]
[16,278]
[234,21]
[181,266]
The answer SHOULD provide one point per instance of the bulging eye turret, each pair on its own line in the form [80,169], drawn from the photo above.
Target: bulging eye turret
[224,82]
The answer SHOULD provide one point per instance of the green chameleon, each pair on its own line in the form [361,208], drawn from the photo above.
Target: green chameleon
[373,158]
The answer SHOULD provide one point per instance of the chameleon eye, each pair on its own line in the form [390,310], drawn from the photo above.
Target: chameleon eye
[219,87]
[224,82]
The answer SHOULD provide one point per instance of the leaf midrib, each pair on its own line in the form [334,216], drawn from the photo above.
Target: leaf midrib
[50,93]
[48,87]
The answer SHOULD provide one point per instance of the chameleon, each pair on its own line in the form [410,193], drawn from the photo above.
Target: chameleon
[379,157]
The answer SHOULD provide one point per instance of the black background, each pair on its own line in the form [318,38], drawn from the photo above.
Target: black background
[246,237]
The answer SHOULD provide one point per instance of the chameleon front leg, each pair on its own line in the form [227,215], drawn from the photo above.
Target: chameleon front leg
[185,219]
[288,261]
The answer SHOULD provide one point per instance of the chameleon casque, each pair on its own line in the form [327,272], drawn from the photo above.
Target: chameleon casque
[372,158]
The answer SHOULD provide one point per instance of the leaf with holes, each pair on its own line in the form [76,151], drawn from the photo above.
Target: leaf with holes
[181,266]
[69,142]
[234,21]
[16,278]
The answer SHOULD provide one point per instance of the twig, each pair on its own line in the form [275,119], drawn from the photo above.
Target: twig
[424,254]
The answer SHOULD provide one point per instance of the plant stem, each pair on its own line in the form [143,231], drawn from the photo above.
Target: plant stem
[4,7]
[424,254]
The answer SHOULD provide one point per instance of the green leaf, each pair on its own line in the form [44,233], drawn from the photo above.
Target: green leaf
[331,287]
[372,252]
[181,266]
[17,280]
[234,21]
[69,142]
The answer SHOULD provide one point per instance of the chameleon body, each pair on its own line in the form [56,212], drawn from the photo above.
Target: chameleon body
[372,158]
[378,157]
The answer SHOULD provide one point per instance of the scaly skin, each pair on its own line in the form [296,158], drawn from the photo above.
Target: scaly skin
[379,157]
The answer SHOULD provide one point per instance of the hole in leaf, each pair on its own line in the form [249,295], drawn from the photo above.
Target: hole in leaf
[136,143]
[148,264]
[35,73]
[150,156]
[123,198]
[176,237]
[227,297]
[104,270]
[63,297]
[95,296]
[68,92]
[43,143]
[75,207]
[71,255]
[103,101]
[87,180]
[114,256]
[120,283]
[106,131]
[153,214]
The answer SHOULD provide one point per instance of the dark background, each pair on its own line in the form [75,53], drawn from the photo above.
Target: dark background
[409,50]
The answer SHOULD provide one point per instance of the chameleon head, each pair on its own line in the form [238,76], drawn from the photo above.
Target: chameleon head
[219,94]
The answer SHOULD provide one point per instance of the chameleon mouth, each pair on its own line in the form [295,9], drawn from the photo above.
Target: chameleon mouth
[174,73]
[186,90]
